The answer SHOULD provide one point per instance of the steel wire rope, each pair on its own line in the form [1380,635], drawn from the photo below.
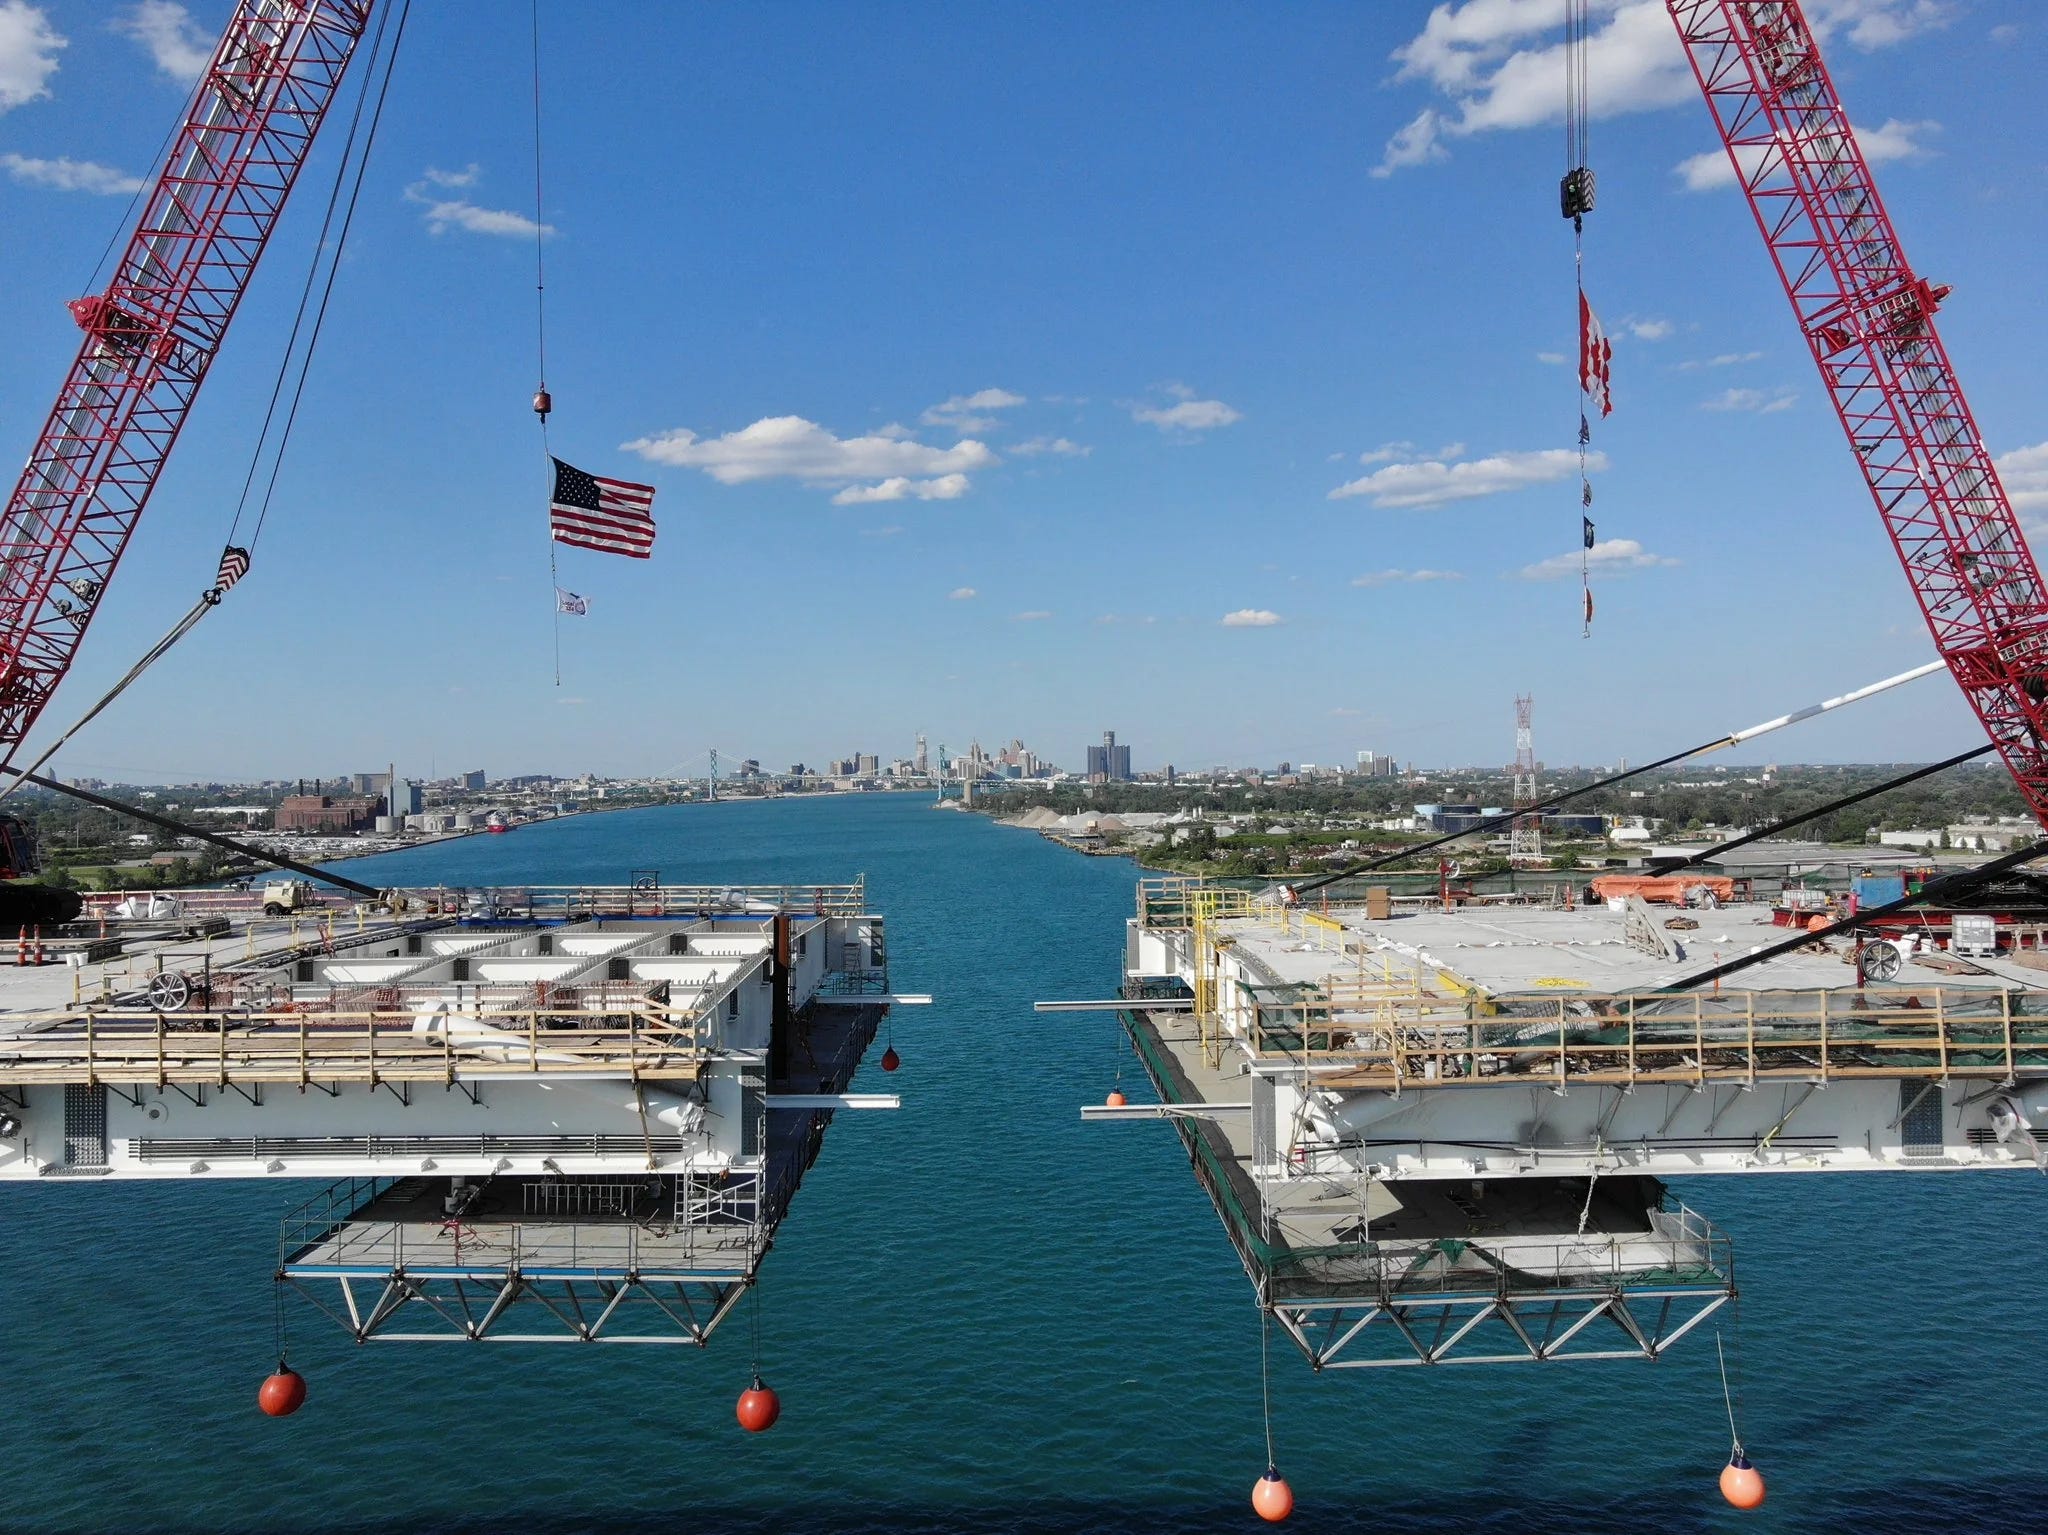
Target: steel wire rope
[1266,1384]
[541,401]
[1727,1398]
[334,264]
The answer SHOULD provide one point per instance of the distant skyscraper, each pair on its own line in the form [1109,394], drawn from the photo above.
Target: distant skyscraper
[1110,761]
[870,764]
[922,763]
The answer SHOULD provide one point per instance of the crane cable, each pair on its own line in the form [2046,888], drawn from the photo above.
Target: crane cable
[227,574]
[355,186]
[543,402]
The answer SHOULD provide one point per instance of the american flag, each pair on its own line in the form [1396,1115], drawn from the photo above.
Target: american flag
[591,512]
[234,564]
[1596,357]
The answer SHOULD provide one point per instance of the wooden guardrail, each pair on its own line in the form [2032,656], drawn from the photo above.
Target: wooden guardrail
[137,1048]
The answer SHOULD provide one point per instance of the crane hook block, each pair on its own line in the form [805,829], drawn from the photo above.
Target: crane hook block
[543,402]
[1575,192]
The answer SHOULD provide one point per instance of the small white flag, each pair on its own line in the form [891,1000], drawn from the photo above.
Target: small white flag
[569,602]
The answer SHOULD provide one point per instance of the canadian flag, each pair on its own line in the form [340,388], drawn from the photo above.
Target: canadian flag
[1596,358]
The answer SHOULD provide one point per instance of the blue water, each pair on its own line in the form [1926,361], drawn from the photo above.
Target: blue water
[984,1316]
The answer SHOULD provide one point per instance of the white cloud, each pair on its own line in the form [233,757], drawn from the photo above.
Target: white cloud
[180,49]
[1189,415]
[1554,359]
[1406,452]
[962,594]
[1415,144]
[1031,616]
[1251,618]
[963,412]
[1894,139]
[1055,445]
[1719,360]
[947,487]
[889,532]
[1394,577]
[1436,481]
[1610,556]
[444,214]
[1758,401]
[64,175]
[28,53]
[1648,330]
[789,447]
[1499,64]
[2024,472]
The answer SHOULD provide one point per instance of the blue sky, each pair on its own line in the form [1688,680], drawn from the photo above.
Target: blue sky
[987,359]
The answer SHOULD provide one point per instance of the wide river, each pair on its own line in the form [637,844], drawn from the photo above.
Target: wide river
[983,1315]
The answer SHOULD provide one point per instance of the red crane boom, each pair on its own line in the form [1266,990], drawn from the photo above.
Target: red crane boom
[151,335]
[1869,320]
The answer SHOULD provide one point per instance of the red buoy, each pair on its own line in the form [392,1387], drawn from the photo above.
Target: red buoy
[282,1394]
[890,1059]
[758,1408]
[1741,1483]
[1272,1498]
[1116,1098]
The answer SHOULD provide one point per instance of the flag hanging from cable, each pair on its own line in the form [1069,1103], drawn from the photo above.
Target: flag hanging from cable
[569,602]
[1596,358]
[234,564]
[1587,532]
[611,516]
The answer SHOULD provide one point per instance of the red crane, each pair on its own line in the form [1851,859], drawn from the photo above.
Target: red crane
[1869,320]
[150,337]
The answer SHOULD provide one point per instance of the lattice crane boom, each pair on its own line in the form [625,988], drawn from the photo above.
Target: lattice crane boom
[1869,320]
[150,337]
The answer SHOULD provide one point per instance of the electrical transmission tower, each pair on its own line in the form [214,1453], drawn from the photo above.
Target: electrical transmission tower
[1525,837]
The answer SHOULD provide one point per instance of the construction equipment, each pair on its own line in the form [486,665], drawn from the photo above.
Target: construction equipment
[1869,320]
[150,337]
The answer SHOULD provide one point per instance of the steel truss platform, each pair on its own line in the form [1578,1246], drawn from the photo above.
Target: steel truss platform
[1506,1328]
[506,1306]
[646,1260]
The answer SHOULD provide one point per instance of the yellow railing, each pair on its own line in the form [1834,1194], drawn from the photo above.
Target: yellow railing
[1356,1038]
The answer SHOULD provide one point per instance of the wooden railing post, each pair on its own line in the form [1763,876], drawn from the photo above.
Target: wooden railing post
[1823,1037]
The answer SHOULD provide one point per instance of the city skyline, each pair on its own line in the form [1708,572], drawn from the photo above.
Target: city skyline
[1110,428]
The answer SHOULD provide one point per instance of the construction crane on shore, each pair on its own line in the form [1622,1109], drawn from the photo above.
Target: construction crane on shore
[151,335]
[1868,318]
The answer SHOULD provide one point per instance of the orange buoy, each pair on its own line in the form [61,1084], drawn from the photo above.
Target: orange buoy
[758,1408]
[1817,924]
[1272,1498]
[282,1394]
[890,1059]
[1116,1098]
[1741,1483]
[543,402]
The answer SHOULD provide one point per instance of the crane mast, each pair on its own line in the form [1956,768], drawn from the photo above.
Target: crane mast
[150,337]
[1869,320]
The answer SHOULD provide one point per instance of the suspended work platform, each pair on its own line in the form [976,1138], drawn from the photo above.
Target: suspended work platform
[1445,1137]
[576,1115]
